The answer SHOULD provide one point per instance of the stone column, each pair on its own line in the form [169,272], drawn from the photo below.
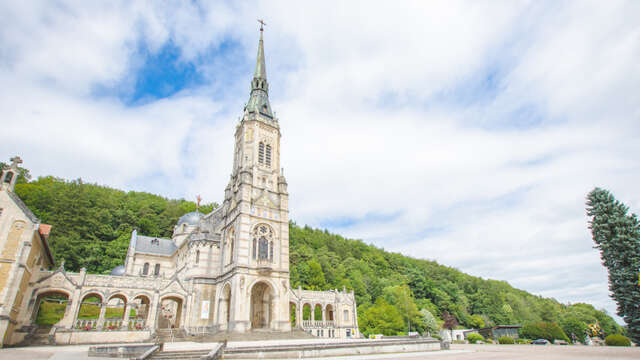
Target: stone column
[324,313]
[71,311]
[299,315]
[152,316]
[103,310]
[127,312]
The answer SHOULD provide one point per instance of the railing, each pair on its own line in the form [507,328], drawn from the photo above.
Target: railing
[86,324]
[136,324]
[112,324]
[318,324]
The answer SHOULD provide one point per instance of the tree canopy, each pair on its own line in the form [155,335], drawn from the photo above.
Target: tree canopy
[92,226]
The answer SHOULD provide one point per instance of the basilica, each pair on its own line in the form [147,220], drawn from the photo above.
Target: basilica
[227,270]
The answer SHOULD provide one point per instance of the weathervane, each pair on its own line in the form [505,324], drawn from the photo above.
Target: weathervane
[262,24]
[198,199]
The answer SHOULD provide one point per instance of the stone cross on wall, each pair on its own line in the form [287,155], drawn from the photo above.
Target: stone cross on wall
[15,161]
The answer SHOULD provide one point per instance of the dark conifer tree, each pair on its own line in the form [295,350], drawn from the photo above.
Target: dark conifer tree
[617,235]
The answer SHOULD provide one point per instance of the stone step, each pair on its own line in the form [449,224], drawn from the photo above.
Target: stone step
[192,354]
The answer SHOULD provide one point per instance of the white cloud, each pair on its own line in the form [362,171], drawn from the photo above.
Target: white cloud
[488,122]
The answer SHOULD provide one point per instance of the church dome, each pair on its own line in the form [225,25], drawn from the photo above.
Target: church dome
[118,270]
[191,218]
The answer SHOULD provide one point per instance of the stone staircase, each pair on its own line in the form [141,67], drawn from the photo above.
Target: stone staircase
[171,335]
[254,335]
[187,354]
[37,336]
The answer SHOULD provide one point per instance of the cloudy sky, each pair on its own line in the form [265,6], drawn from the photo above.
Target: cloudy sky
[465,132]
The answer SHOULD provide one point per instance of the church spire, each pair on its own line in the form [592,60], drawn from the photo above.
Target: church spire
[261,71]
[259,98]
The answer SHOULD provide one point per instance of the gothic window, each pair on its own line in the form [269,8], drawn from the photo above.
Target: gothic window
[8,177]
[263,248]
[145,269]
[346,315]
[271,251]
[231,250]
[268,156]
[156,271]
[263,240]
[197,256]
[261,153]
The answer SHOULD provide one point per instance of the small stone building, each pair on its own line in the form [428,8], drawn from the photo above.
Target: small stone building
[223,271]
[23,250]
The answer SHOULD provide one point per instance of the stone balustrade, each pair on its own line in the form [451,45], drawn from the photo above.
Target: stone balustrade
[86,324]
[313,324]
[136,324]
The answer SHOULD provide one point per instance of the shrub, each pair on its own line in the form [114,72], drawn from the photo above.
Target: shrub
[523,341]
[506,340]
[474,338]
[543,330]
[617,340]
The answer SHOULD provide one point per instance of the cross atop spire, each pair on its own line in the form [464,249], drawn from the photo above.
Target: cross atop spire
[259,99]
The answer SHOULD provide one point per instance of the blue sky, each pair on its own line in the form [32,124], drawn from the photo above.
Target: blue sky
[464,132]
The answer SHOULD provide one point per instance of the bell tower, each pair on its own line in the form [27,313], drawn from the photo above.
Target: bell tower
[255,242]
[10,174]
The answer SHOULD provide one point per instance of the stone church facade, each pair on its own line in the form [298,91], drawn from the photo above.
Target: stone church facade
[223,271]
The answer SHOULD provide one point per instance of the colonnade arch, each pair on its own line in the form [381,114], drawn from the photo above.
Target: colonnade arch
[169,312]
[56,301]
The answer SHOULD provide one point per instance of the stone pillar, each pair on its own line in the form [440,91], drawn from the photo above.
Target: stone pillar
[70,313]
[324,311]
[152,316]
[127,312]
[299,315]
[103,310]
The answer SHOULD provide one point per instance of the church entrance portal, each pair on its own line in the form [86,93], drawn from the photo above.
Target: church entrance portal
[261,306]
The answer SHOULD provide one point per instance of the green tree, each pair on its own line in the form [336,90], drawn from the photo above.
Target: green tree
[430,323]
[380,318]
[617,236]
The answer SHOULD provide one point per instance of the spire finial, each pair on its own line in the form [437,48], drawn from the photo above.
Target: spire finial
[262,24]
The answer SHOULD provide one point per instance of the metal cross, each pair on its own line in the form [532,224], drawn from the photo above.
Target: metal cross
[262,23]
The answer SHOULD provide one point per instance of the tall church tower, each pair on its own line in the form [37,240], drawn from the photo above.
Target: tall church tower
[255,235]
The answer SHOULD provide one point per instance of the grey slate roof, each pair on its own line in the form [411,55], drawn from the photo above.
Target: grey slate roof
[23,207]
[153,245]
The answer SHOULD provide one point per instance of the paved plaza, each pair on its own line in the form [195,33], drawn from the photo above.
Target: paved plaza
[457,352]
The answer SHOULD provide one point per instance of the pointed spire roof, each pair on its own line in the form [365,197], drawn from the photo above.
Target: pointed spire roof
[259,98]
[261,70]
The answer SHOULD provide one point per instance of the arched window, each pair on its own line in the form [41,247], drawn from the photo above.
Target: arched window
[8,177]
[231,249]
[261,153]
[156,271]
[263,240]
[346,315]
[145,269]
[268,157]
[263,248]
[271,251]
[197,256]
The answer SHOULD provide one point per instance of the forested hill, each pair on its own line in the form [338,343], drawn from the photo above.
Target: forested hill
[92,225]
